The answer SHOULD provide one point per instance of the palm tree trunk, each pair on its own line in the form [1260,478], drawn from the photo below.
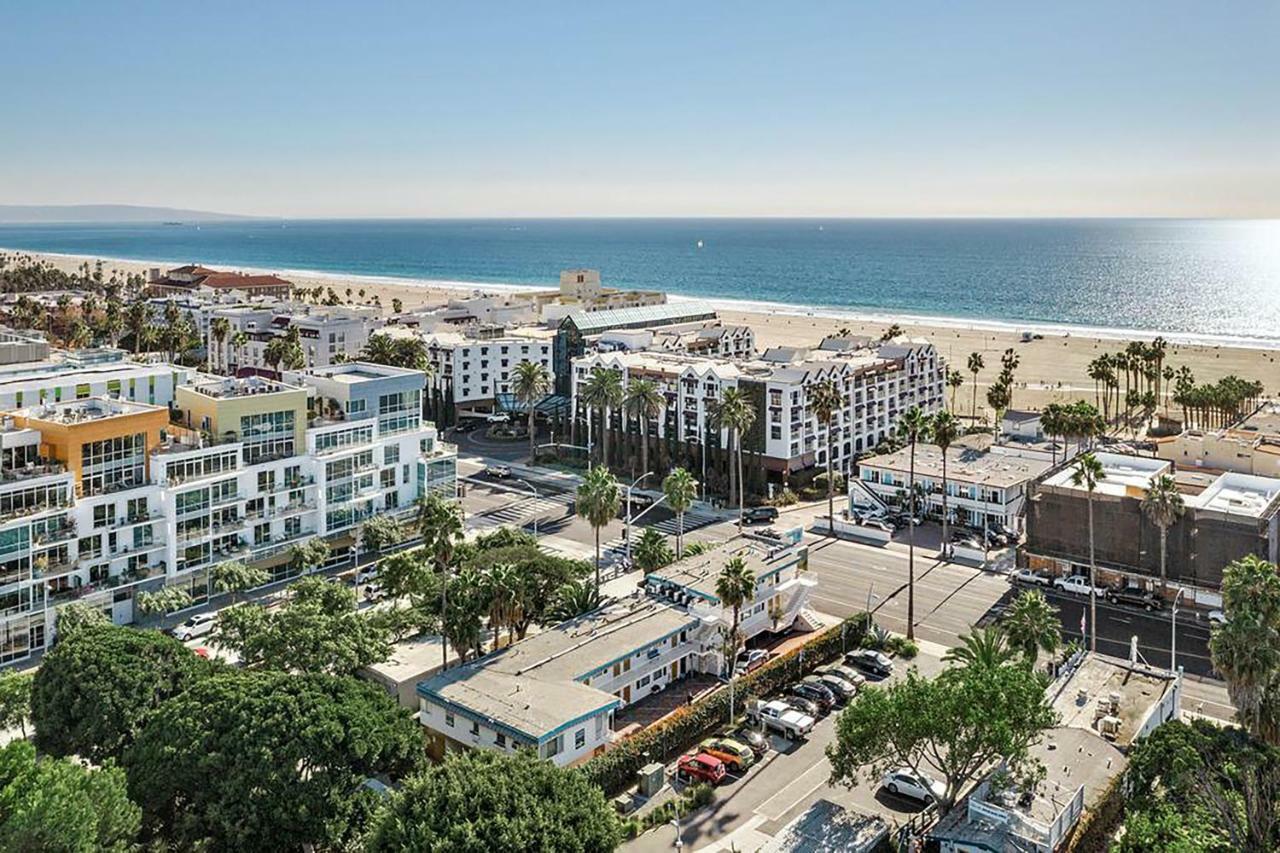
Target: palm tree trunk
[597,560]
[1164,541]
[945,541]
[679,534]
[444,613]
[1093,573]
[831,489]
[532,427]
[973,410]
[742,486]
[643,422]
[911,546]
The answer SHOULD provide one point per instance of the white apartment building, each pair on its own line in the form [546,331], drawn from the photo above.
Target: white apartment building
[101,497]
[329,334]
[878,382]
[70,375]
[557,691]
[710,338]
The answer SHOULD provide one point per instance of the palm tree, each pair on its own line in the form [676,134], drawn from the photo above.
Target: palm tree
[644,402]
[913,427]
[946,429]
[238,342]
[502,588]
[532,382]
[440,523]
[1244,648]
[735,413]
[137,318]
[380,348]
[598,499]
[235,577]
[573,599]
[1163,505]
[652,551]
[681,490]
[735,586]
[219,330]
[1032,625]
[603,392]
[975,367]
[954,380]
[984,648]
[1088,473]
[825,399]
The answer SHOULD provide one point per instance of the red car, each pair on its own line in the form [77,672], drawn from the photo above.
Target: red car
[700,767]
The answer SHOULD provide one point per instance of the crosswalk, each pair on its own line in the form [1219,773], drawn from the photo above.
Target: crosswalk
[617,547]
[522,511]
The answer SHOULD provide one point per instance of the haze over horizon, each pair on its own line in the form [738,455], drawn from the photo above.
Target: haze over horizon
[325,111]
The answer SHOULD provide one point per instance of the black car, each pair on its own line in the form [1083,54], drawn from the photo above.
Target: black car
[1135,596]
[803,705]
[760,515]
[870,661]
[753,738]
[816,693]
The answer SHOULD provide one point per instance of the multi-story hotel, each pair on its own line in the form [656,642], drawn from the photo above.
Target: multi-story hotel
[100,497]
[329,334]
[878,382]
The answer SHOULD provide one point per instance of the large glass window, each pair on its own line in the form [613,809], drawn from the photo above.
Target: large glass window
[267,436]
[113,463]
[400,412]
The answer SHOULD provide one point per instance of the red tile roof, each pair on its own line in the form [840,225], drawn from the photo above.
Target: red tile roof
[230,280]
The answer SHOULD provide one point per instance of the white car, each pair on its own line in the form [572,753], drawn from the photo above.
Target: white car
[497,418]
[1029,577]
[1217,617]
[368,574]
[1078,585]
[905,782]
[196,626]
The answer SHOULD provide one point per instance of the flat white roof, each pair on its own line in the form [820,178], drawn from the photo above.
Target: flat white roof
[1238,494]
[1121,473]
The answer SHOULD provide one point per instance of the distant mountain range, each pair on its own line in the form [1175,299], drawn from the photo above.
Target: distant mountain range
[36,213]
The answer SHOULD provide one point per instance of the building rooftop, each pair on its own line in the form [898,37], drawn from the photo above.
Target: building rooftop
[697,575]
[588,322]
[534,687]
[1110,687]
[1265,421]
[964,464]
[1019,416]
[1238,494]
[353,372]
[225,387]
[86,410]
[1122,475]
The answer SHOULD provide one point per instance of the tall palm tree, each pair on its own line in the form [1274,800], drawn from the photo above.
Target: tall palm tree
[1163,505]
[1088,473]
[913,427]
[219,330]
[975,367]
[532,383]
[440,523]
[603,392]
[983,648]
[826,400]
[502,589]
[598,499]
[946,429]
[735,413]
[238,342]
[1244,648]
[735,586]
[644,402]
[681,490]
[380,349]
[1032,625]
[954,380]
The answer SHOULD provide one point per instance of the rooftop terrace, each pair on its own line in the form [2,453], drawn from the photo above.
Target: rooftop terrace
[225,388]
[87,410]
[1122,475]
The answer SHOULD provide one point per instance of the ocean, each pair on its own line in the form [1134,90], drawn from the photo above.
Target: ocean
[1209,280]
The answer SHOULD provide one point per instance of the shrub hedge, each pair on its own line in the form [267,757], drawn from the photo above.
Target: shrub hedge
[614,771]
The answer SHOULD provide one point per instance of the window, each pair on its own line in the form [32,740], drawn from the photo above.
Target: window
[555,746]
[266,436]
[579,738]
[113,463]
[475,729]
[391,454]
[448,719]
[500,739]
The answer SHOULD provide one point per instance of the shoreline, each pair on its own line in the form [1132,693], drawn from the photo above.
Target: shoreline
[442,288]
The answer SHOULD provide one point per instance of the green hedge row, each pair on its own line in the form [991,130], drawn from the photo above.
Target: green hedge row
[614,771]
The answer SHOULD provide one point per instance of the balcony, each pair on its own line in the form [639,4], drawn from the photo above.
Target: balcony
[51,537]
[32,470]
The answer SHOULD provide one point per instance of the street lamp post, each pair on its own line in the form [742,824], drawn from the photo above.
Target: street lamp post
[1173,631]
[675,821]
[536,496]
[627,534]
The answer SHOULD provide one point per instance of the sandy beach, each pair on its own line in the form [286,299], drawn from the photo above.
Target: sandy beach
[1053,368]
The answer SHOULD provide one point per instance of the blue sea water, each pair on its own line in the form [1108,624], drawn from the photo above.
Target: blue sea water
[1197,278]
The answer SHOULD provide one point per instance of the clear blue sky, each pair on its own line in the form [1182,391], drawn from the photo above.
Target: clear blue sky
[532,109]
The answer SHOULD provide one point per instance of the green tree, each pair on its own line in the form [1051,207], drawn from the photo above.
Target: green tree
[983,647]
[380,533]
[537,579]
[681,490]
[308,556]
[826,401]
[945,430]
[531,383]
[95,688]
[1032,625]
[59,804]
[651,551]
[913,427]
[15,700]
[603,392]
[1163,505]
[955,379]
[598,499]
[952,727]
[975,367]
[644,401]
[502,589]
[571,600]
[219,330]
[167,599]
[735,586]
[235,577]
[735,413]
[1245,649]
[267,760]
[441,526]
[1087,473]
[76,615]
[482,800]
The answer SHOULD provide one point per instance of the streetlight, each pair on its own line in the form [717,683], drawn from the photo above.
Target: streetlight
[536,496]
[627,534]
[1173,631]
[675,821]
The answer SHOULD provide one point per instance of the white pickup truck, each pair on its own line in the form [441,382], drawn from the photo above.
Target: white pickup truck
[781,718]
[1078,584]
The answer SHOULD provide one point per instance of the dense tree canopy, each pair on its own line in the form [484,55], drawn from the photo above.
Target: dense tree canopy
[266,760]
[1246,649]
[94,688]
[59,804]
[482,801]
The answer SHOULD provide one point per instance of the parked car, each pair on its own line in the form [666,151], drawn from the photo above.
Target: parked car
[996,538]
[905,782]
[880,524]
[754,738]
[780,717]
[864,514]
[848,673]
[497,472]
[374,592]
[700,767]
[196,626]
[760,515]
[1078,585]
[749,660]
[1217,617]
[803,705]
[497,418]
[770,533]
[843,690]
[367,574]
[819,694]
[738,757]
[1009,533]
[870,661]
[1027,576]
[1135,596]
